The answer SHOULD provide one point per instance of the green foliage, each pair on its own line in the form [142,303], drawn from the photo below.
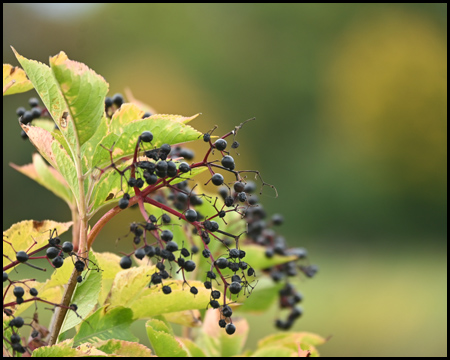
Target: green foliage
[88,154]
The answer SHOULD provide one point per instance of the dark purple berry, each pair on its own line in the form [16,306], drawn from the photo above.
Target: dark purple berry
[220,144]
[230,329]
[125,262]
[217,179]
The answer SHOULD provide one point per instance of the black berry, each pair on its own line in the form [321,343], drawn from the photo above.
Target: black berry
[166,290]
[217,179]
[118,100]
[220,144]
[189,265]
[166,235]
[191,215]
[18,291]
[140,253]
[226,311]
[58,262]
[33,292]
[235,287]
[194,290]
[221,263]
[125,262]
[230,329]
[67,247]
[21,256]
[146,136]
[123,203]
[228,162]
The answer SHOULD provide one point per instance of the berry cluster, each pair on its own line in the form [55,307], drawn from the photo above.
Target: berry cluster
[160,176]
[54,254]
[27,116]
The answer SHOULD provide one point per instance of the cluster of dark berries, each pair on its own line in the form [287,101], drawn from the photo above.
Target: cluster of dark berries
[54,253]
[27,116]
[115,102]
[151,175]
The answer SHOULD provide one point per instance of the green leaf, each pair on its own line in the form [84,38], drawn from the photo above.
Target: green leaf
[123,348]
[50,93]
[192,348]
[84,93]
[85,296]
[21,236]
[15,80]
[63,349]
[48,125]
[48,177]
[274,352]
[162,339]
[191,318]
[306,340]
[257,259]
[109,263]
[216,341]
[88,148]
[55,154]
[164,132]
[105,325]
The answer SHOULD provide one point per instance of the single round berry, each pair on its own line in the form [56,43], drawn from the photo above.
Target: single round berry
[243,265]
[171,169]
[26,118]
[217,179]
[242,197]
[125,262]
[229,201]
[36,113]
[250,187]
[226,311]
[206,253]
[215,294]
[132,182]
[228,162]
[220,144]
[58,262]
[20,111]
[191,215]
[214,304]
[222,323]
[23,134]
[156,278]
[221,263]
[33,292]
[123,203]
[164,274]
[19,348]
[165,218]
[172,246]
[108,102]
[206,137]
[118,100]
[185,252]
[33,102]
[79,265]
[165,148]
[239,186]
[210,275]
[189,266]
[139,183]
[234,253]
[140,253]
[15,338]
[52,252]
[73,307]
[5,276]
[251,272]
[235,287]
[21,256]
[18,291]
[230,329]
[233,266]
[149,250]
[79,279]
[67,247]
[17,322]
[166,290]
[34,334]
[184,167]
[166,235]
[207,284]
[146,136]
[194,290]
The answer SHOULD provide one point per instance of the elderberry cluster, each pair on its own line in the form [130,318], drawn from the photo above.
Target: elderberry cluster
[27,116]
[23,293]
[160,176]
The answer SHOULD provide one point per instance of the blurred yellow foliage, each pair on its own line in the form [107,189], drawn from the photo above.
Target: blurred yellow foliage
[385,94]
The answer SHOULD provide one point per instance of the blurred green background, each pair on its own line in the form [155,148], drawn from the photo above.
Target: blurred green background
[351,109]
